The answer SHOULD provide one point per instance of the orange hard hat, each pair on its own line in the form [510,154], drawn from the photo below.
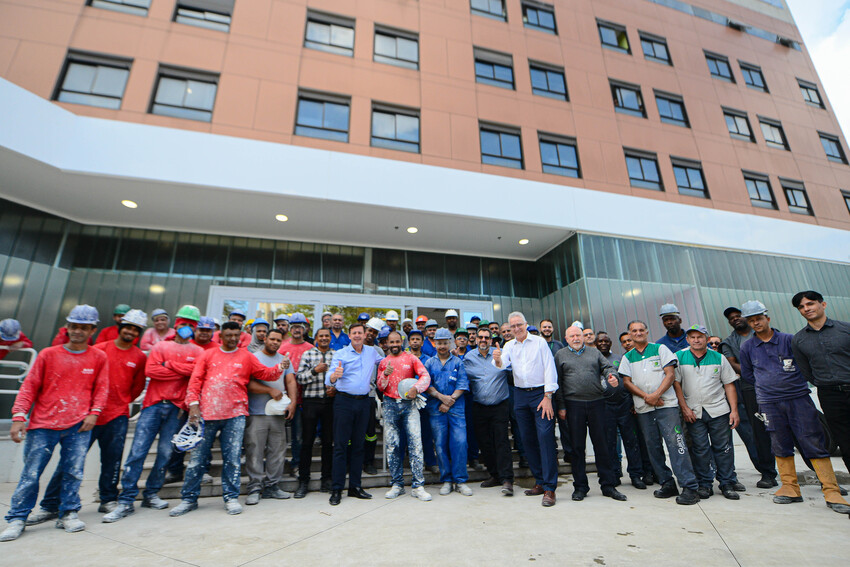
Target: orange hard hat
[422,319]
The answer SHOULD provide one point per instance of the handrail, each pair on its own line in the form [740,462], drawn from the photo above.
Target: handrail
[22,367]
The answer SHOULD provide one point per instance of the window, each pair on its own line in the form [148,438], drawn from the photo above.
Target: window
[846,196]
[396,48]
[643,170]
[185,94]
[832,147]
[671,109]
[627,99]
[539,16]
[330,33]
[322,115]
[773,133]
[798,200]
[613,36]
[212,14]
[810,93]
[490,8]
[738,125]
[718,66]
[137,7]
[547,80]
[655,48]
[753,76]
[689,178]
[559,155]
[492,68]
[93,80]
[758,186]
[501,146]
[395,128]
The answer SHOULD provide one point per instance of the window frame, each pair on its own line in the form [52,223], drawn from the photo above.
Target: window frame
[756,177]
[793,185]
[395,34]
[183,74]
[842,156]
[617,29]
[810,86]
[764,121]
[672,98]
[642,156]
[615,84]
[846,196]
[202,22]
[500,160]
[747,69]
[488,14]
[494,58]
[307,130]
[558,140]
[324,18]
[689,165]
[395,143]
[718,58]
[94,60]
[540,7]
[120,6]
[731,112]
[653,39]
[548,68]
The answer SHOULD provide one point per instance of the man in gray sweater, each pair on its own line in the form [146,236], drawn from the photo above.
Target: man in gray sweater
[585,378]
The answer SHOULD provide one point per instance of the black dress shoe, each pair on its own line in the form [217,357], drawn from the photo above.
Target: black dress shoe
[579,495]
[767,481]
[729,492]
[638,483]
[688,497]
[738,487]
[336,497]
[614,494]
[370,469]
[302,490]
[649,479]
[326,485]
[358,492]
[705,492]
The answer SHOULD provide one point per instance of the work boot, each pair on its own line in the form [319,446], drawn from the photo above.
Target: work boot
[107,507]
[638,483]
[303,489]
[767,481]
[233,507]
[705,492]
[507,488]
[277,493]
[41,516]
[463,488]
[831,493]
[172,477]
[790,490]
[155,503]
[183,508]
[738,487]
[729,492]
[667,490]
[13,530]
[253,499]
[120,511]
[649,478]
[490,482]
[446,489]
[688,497]
[394,492]
[419,492]
[70,522]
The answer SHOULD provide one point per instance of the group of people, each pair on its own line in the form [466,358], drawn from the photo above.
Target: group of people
[445,395]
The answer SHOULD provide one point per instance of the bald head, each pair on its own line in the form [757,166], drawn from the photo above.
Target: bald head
[575,337]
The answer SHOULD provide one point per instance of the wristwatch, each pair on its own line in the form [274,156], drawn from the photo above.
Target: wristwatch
[548,395]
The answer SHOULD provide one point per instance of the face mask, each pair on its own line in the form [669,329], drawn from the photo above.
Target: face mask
[186,332]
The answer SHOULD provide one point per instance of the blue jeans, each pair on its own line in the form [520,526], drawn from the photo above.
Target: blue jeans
[619,417]
[538,437]
[660,427]
[38,449]
[400,415]
[449,431]
[787,420]
[110,438]
[230,432]
[712,435]
[161,419]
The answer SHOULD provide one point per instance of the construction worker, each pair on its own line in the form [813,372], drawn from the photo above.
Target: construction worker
[420,323]
[789,413]
[111,333]
[429,347]
[237,316]
[12,337]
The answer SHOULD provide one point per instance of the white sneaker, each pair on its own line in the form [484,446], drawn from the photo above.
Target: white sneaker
[71,523]
[155,503]
[277,493]
[419,492]
[463,488]
[41,516]
[183,508]
[206,479]
[13,530]
[446,489]
[253,499]
[233,507]
[120,511]
[394,492]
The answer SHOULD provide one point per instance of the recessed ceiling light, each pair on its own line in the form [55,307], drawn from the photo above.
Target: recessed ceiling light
[129,204]
[281,218]
[156,289]
[523,242]
[412,229]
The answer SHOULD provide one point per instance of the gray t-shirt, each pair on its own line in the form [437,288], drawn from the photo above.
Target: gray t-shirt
[257,402]
[731,346]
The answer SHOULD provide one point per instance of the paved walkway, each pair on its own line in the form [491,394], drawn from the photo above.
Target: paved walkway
[456,530]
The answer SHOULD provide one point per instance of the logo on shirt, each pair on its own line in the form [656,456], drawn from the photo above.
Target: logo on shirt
[190,358]
[237,365]
[716,370]
[131,364]
[788,365]
[656,363]
[88,370]
[406,367]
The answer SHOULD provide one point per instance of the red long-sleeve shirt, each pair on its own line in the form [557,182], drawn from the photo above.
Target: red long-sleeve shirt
[405,365]
[62,388]
[110,334]
[126,379]
[169,367]
[220,382]
[244,339]
[22,339]
[61,338]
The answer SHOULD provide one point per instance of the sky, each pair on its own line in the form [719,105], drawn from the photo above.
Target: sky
[825,25]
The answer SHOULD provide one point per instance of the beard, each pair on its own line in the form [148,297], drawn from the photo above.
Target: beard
[395,350]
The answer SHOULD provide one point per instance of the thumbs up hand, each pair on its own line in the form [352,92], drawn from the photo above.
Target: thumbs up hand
[497,356]
[337,373]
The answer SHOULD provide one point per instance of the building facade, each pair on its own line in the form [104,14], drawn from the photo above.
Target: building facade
[574,159]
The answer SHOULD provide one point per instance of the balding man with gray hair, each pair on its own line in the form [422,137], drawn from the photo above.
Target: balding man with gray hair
[535,382]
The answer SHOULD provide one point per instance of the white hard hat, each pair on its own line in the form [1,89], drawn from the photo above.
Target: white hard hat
[391,316]
[278,407]
[135,317]
[375,323]
[668,309]
[578,324]
[451,313]
[753,307]
[407,320]
[189,436]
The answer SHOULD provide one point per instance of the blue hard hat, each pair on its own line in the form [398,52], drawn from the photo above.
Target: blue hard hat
[84,315]
[415,332]
[298,319]
[238,312]
[206,323]
[260,321]
[10,330]
[443,333]
[385,332]
[282,317]
[159,311]
[363,317]
[532,329]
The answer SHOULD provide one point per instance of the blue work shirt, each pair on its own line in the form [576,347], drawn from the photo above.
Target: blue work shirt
[771,367]
[489,384]
[428,348]
[446,378]
[358,369]
[341,341]
[674,345]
